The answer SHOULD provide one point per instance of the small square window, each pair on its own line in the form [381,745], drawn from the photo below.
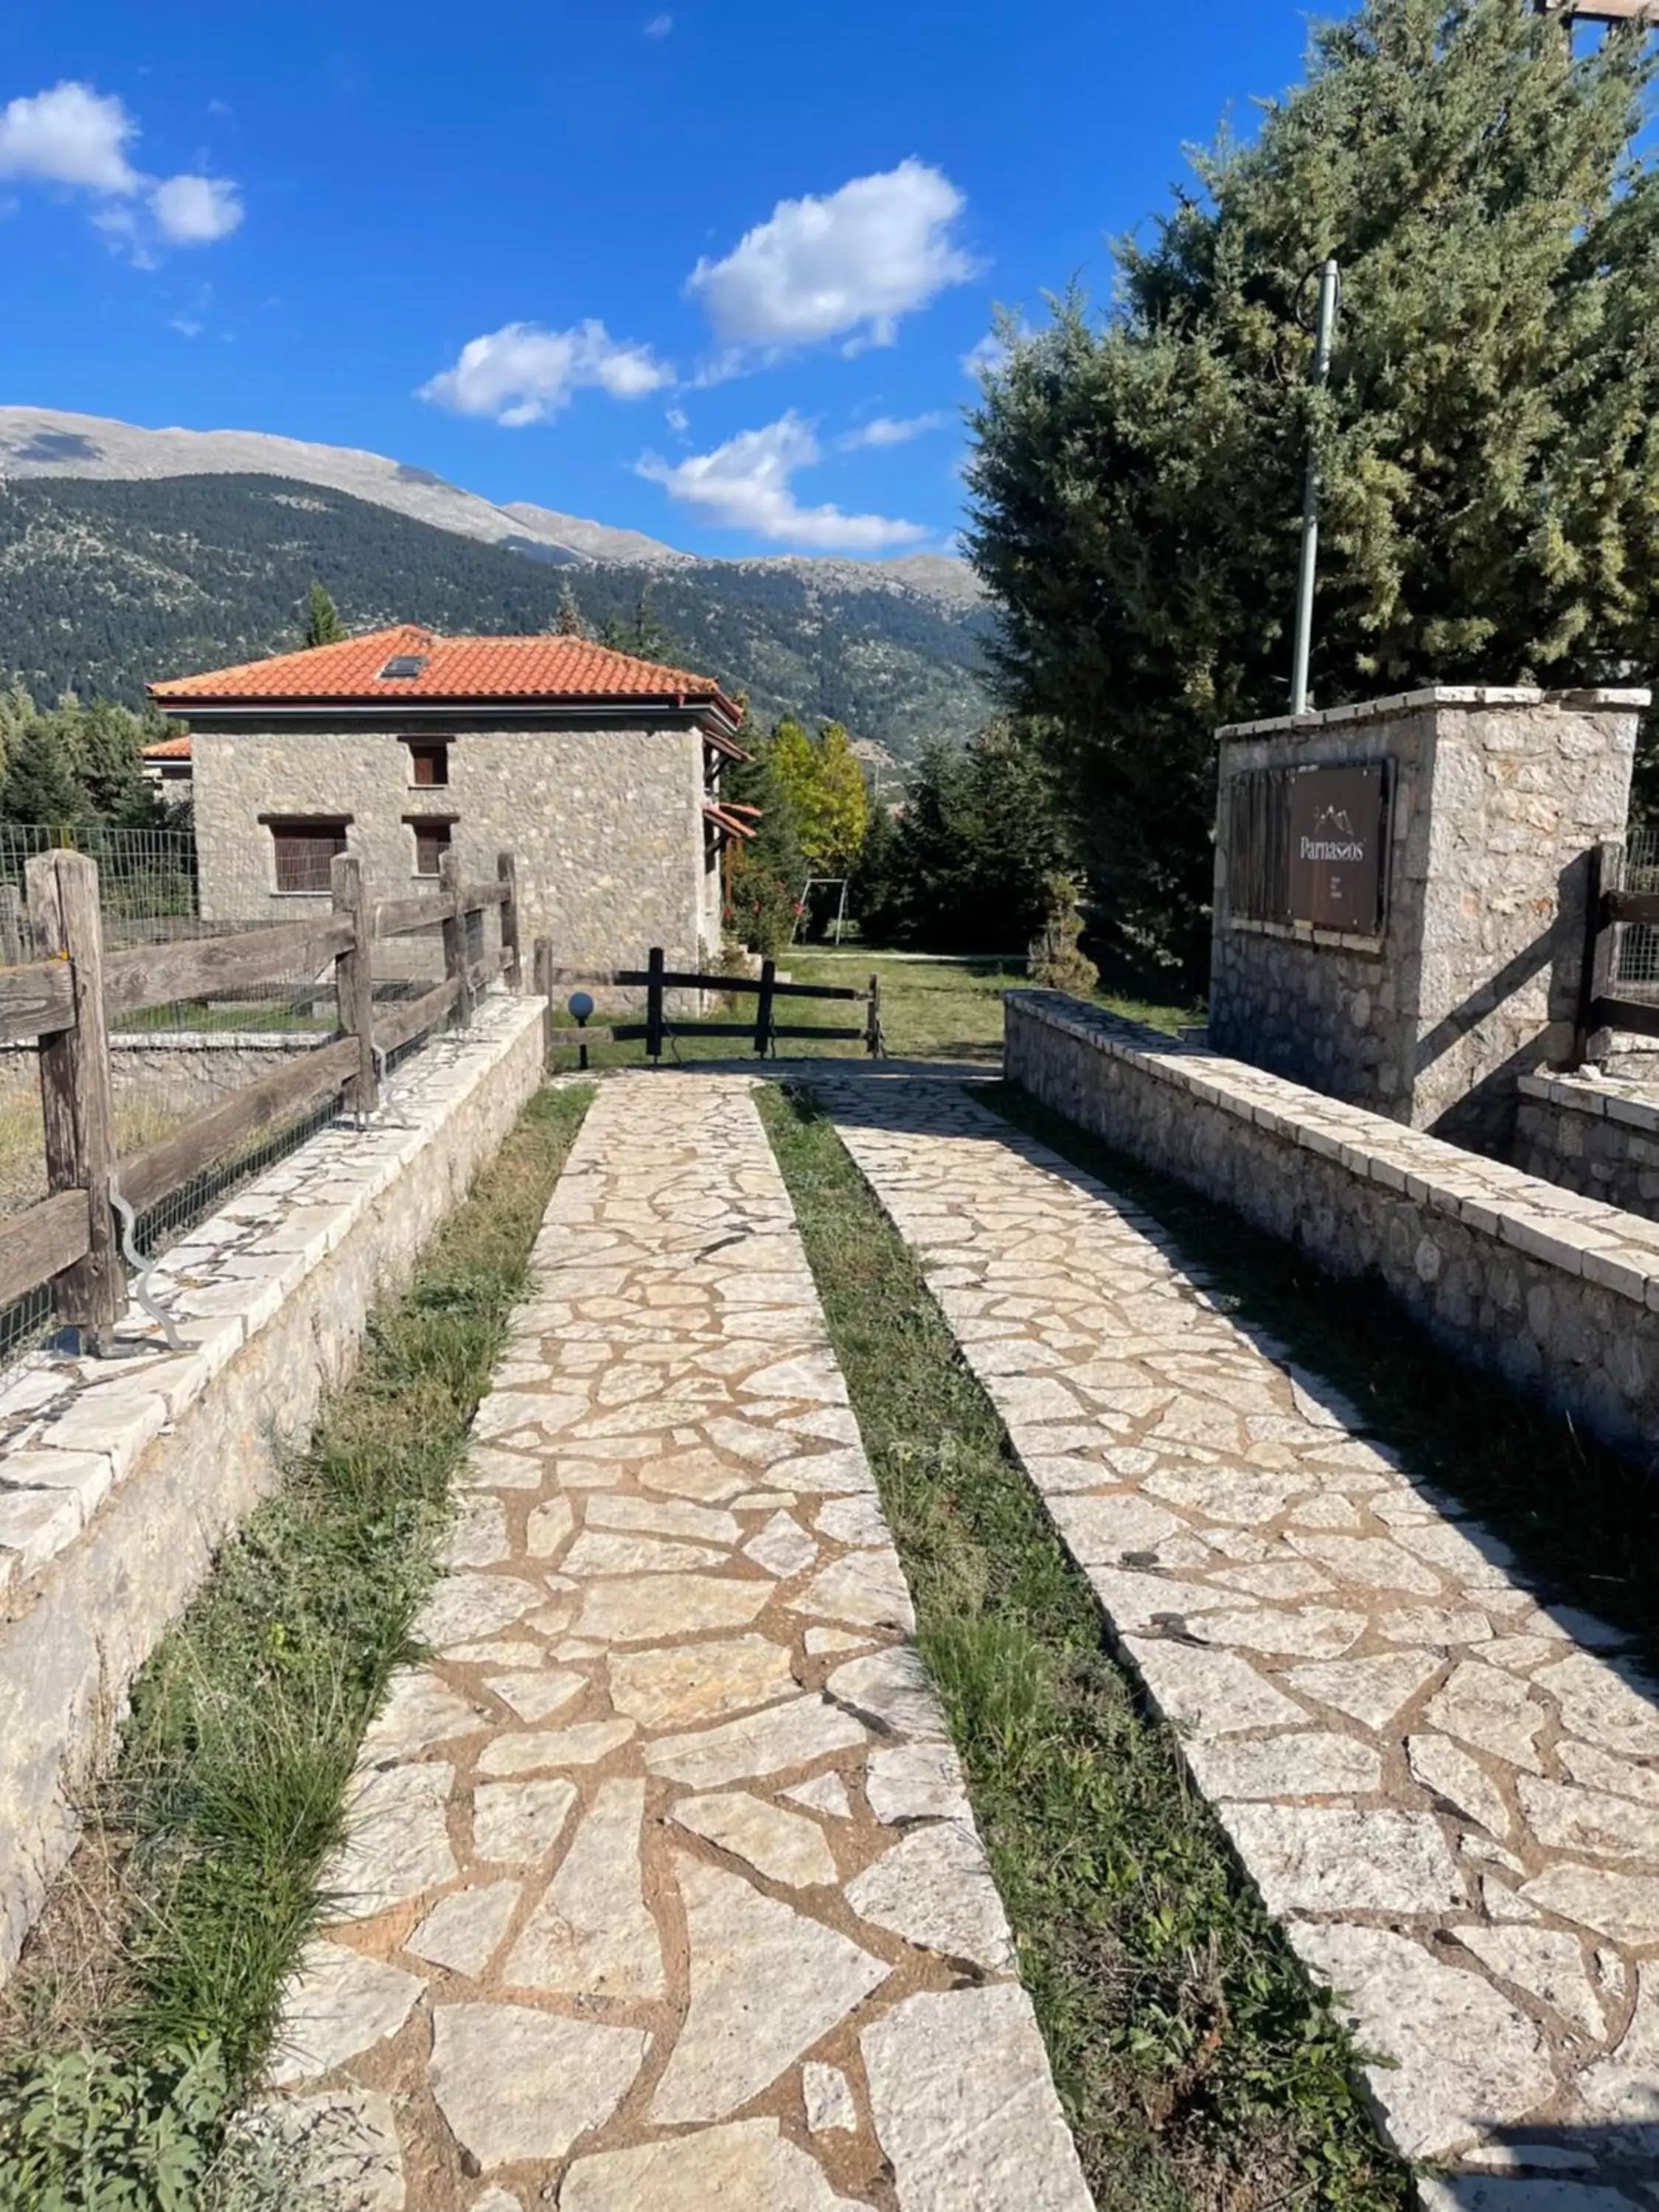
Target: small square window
[305,853]
[428,765]
[431,843]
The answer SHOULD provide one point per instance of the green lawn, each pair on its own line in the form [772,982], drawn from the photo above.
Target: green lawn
[931,1009]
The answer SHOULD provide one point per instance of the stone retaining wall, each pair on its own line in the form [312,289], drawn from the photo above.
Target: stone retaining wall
[1593,1134]
[119,1478]
[188,1070]
[1557,1291]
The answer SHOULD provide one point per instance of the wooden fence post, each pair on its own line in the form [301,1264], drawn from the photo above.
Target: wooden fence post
[354,980]
[763,1015]
[654,1006]
[507,876]
[77,1101]
[541,966]
[454,927]
[1604,873]
[11,926]
[874,1043]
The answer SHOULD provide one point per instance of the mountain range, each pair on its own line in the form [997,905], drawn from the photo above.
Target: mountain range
[128,554]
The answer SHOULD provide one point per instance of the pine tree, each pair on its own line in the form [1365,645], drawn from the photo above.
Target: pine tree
[40,783]
[873,893]
[1489,463]
[104,743]
[639,634]
[974,852]
[569,620]
[323,624]
[766,870]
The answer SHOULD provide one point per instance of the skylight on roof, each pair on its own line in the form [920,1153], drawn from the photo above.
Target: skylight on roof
[404,663]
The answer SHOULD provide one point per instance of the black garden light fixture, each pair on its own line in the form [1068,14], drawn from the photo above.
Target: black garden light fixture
[580,1006]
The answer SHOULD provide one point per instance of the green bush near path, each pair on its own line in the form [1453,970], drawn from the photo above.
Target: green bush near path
[120,2070]
[1201,2070]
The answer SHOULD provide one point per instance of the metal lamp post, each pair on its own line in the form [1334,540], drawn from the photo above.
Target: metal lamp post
[1304,583]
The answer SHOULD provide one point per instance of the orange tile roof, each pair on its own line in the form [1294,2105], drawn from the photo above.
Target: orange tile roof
[456,670]
[169,748]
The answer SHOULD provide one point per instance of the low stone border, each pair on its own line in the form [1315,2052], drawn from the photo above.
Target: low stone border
[1557,1291]
[118,1478]
[1592,1134]
[1445,1789]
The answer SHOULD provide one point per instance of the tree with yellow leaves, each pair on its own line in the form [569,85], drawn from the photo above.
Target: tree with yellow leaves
[823,786]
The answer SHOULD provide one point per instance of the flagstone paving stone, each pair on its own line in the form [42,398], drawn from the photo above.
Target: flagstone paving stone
[669,1830]
[1448,1792]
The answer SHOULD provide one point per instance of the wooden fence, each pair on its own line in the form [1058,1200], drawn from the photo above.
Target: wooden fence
[657,979]
[1609,908]
[67,1001]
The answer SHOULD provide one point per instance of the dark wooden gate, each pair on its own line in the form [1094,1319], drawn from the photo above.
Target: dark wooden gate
[656,979]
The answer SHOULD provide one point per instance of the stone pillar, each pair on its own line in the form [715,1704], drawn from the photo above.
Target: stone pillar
[1465,974]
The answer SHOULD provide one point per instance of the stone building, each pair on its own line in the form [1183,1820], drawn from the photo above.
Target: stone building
[599,772]
[1401,894]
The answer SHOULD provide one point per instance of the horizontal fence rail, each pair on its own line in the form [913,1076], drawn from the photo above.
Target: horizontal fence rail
[656,979]
[67,1003]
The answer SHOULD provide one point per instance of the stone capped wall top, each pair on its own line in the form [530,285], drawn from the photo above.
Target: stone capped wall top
[1434,694]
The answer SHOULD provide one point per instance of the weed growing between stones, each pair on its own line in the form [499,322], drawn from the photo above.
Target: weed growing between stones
[1201,2070]
[244,1729]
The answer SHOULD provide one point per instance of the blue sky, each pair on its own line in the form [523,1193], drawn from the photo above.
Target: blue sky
[709,271]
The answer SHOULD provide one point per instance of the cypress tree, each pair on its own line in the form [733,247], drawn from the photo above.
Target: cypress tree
[323,624]
[1487,443]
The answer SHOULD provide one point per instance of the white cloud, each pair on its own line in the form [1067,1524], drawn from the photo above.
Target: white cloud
[69,135]
[986,357]
[744,485]
[678,419]
[990,354]
[885,430]
[848,265]
[196,210]
[659,27]
[73,136]
[523,374]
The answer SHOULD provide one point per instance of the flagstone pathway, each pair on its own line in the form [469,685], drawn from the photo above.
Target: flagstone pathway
[1448,1794]
[662,1891]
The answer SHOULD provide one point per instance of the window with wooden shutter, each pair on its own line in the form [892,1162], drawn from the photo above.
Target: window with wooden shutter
[429,763]
[431,843]
[305,851]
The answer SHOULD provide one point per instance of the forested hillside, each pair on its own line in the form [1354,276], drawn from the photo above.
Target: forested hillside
[106,584]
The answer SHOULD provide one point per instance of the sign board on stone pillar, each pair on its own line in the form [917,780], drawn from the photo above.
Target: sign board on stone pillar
[1336,847]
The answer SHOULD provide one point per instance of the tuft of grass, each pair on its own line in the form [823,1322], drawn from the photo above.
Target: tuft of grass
[245,1722]
[1201,2070]
[1582,1521]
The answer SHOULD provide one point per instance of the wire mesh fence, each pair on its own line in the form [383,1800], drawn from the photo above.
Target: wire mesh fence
[1637,965]
[169,1064]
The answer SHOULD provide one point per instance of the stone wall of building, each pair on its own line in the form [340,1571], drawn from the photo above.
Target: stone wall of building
[1497,797]
[1595,1135]
[606,827]
[1557,1291]
[122,1476]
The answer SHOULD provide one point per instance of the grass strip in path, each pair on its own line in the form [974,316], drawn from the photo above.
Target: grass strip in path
[1201,2070]
[1583,1523]
[205,1846]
